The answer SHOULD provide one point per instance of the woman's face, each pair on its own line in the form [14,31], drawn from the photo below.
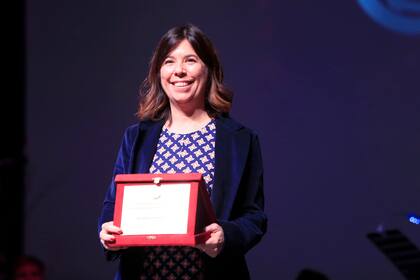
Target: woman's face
[183,76]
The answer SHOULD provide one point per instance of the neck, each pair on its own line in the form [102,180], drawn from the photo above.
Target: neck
[185,121]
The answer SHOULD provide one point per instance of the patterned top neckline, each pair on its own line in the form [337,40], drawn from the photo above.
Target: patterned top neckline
[192,132]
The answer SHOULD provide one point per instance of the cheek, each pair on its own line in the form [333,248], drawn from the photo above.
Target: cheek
[201,72]
[165,72]
[162,75]
[205,76]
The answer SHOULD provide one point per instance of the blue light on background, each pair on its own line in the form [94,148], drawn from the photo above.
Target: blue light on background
[399,15]
[414,219]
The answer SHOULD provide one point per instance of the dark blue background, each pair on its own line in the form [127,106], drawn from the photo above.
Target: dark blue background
[334,97]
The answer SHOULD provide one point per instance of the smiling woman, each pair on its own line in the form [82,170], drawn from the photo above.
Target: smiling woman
[183,76]
[184,53]
[183,112]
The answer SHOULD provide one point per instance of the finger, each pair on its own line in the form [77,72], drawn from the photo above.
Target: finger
[216,239]
[213,227]
[211,242]
[212,252]
[108,243]
[111,248]
[210,247]
[107,237]
[111,229]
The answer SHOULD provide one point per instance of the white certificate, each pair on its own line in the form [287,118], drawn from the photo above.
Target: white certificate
[151,209]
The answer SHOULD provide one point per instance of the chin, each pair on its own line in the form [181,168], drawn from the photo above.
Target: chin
[184,100]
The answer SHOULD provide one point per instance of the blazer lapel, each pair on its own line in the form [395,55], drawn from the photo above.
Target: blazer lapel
[145,146]
[232,146]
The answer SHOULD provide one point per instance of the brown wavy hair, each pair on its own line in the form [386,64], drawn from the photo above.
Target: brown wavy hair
[154,104]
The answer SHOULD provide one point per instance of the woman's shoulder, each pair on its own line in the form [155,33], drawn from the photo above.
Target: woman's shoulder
[233,125]
[134,129]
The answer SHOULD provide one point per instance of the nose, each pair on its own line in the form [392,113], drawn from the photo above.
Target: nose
[179,69]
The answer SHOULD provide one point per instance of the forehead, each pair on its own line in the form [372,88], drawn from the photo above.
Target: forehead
[184,48]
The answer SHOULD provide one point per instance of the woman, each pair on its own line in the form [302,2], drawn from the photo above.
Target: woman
[184,127]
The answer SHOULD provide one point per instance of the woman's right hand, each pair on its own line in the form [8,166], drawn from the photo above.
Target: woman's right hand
[107,235]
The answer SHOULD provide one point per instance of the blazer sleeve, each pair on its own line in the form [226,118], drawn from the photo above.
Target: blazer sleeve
[248,221]
[121,166]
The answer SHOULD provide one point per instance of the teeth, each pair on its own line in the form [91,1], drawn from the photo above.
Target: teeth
[181,84]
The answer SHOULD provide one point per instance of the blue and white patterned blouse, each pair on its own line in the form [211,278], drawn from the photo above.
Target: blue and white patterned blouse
[187,153]
[181,153]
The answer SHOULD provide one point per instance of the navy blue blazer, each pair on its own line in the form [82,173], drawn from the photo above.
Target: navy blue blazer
[237,196]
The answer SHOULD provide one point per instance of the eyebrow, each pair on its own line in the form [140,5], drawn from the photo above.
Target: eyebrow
[186,56]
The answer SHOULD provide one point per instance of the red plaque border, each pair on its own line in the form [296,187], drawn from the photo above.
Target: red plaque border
[200,210]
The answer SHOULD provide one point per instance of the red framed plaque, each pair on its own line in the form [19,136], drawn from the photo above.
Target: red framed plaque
[162,209]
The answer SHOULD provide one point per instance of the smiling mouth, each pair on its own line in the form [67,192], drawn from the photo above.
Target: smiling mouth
[181,83]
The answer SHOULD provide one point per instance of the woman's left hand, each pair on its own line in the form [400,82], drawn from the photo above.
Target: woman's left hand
[214,244]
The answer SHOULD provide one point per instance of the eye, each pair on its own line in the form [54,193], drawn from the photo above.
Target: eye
[168,61]
[191,60]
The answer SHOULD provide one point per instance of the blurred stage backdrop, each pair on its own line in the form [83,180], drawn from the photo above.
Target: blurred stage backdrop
[332,88]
